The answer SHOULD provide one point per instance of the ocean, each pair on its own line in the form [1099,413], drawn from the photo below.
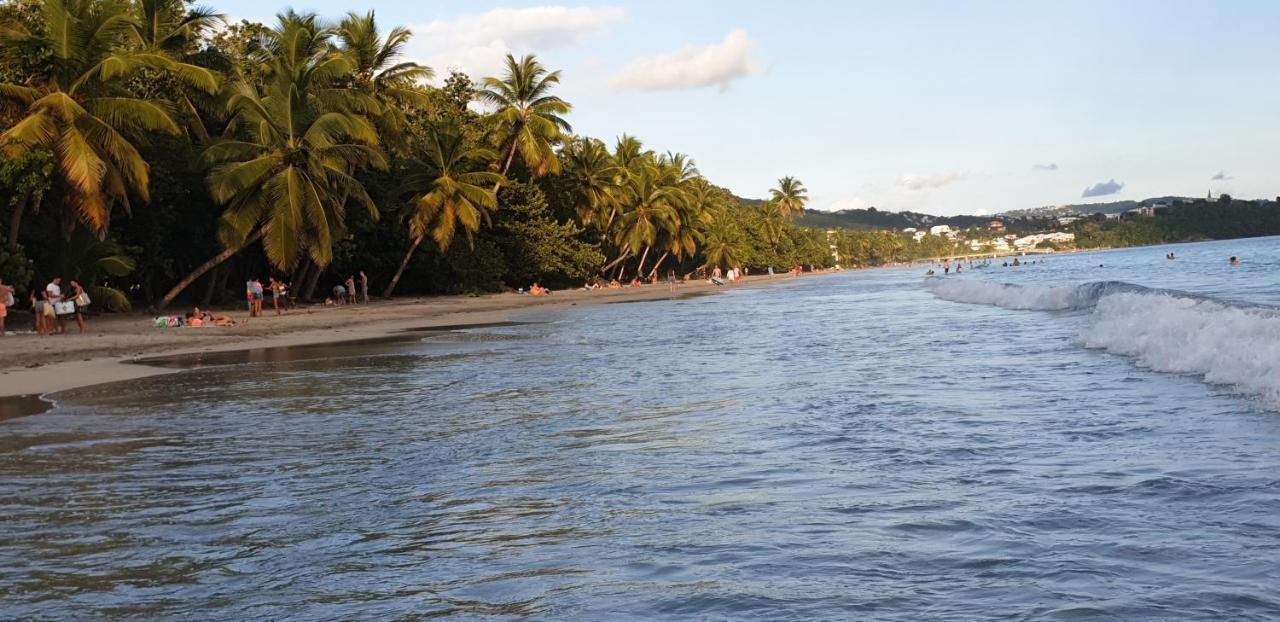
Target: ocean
[1089,436]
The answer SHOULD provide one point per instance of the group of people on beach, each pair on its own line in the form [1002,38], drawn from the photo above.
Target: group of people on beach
[345,293]
[51,307]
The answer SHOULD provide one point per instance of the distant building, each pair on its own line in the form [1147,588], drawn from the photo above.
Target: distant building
[919,235]
[1066,220]
[942,230]
[1031,241]
[996,224]
[1141,211]
[909,230]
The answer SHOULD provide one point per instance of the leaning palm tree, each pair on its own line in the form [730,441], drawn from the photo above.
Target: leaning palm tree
[651,211]
[791,196]
[78,108]
[378,72]
[530,119]
[284,167]
[450,193]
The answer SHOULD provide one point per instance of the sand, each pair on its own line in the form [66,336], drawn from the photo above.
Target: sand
[34,365]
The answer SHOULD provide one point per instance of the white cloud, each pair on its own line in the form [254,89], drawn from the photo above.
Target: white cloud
[916,183]
[1221,176]
[1052,166]
[476,43]
[692,67]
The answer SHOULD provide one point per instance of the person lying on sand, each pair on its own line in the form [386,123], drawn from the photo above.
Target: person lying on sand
[198,318]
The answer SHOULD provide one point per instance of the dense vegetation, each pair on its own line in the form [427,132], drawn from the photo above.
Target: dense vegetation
[1220,219]
[154,153]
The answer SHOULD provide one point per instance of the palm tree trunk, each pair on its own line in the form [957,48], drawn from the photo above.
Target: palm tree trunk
[299,273]
[626,252]
[205,267]
[511,155]
[659,264]
[391,287]
[15,221]
[645,255]
[312,281]
[211,287]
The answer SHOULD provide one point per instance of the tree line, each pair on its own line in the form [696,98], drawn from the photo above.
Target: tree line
[156,153]
[1194,221]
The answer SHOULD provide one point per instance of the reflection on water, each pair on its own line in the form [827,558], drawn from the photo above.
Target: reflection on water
[22,406]
[849,447]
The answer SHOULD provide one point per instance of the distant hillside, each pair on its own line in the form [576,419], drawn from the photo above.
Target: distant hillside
[872,218]
[1084,209]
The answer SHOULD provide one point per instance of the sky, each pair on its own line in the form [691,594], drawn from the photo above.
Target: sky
[939,107]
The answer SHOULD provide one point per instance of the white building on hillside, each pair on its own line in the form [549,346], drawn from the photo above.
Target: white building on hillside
[1031,241]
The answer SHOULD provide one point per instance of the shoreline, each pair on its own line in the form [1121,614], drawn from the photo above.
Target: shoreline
[118,348]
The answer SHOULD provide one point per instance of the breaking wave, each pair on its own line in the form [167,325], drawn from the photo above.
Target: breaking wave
[1164,330]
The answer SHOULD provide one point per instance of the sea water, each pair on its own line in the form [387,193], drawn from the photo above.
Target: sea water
[1092,436]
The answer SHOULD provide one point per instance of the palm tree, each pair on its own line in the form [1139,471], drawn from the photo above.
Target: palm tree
[629,152]
[169,29]
[651,211]
[284,168]
[771,222]
[451,193]
[594,174]
[377,71]
[528,116]
[77,106]
[790,195]
[721,246]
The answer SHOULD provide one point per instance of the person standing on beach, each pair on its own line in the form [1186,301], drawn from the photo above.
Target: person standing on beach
[364,287]
[771,272]
[6,301]
[277,288]
[253,294]
[38,310]
[81,300]
[52,296]
[351,289]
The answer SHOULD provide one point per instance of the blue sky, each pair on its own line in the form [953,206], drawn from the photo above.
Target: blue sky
[940,107]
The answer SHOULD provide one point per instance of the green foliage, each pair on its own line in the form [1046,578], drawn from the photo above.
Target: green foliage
[536,246]
[164,141]
[1187,222]
[16,269]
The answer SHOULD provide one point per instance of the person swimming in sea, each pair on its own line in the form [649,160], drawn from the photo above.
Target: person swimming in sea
[1235,261]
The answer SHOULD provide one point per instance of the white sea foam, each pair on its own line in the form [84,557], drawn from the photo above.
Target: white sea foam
[1019,297]
[1224,344]
[1164,331]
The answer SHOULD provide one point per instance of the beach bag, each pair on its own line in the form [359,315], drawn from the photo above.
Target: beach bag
[65,307]
[82,300]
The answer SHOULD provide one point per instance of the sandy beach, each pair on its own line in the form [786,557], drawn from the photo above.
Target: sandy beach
[34,365]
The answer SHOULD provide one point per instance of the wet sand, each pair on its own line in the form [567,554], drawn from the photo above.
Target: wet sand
[113,347]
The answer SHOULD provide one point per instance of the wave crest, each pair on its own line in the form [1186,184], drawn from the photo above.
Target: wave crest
[1164,330]
[1224,344]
